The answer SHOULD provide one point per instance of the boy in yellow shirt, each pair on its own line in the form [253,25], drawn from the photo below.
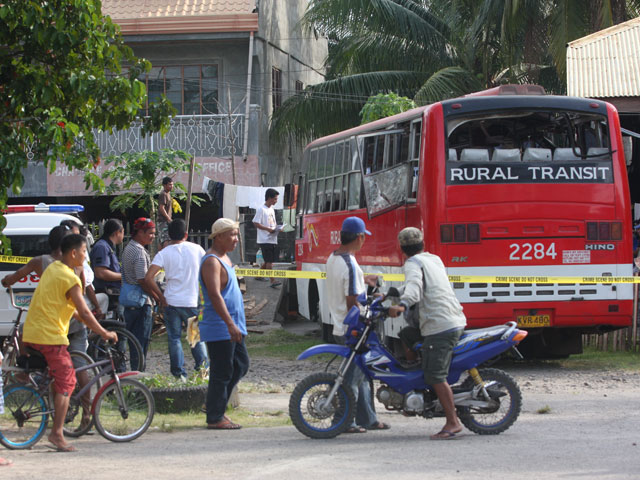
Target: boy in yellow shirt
[58,296]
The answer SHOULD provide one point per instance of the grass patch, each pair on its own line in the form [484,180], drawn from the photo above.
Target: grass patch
[171,422]
[279,344]
[276,343]
[599,360]
[544,410]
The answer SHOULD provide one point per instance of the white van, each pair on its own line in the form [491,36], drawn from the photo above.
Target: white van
[28,231]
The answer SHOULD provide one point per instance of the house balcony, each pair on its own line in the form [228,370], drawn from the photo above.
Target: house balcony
[199,135]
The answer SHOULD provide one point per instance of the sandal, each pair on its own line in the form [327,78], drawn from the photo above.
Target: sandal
[444,435]
[224,424]
[379,426]
[356,429]
[4,462]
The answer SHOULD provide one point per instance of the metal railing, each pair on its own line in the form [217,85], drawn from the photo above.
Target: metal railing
[198,135]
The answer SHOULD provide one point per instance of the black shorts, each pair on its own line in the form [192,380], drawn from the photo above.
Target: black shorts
[269,252]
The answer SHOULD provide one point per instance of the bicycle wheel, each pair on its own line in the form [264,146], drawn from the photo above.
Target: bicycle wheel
[124,418]
[128,346]
[79,419]
[25,417]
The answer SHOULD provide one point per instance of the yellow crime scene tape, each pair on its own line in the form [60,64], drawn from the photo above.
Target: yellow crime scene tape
[399,277]
[12,259]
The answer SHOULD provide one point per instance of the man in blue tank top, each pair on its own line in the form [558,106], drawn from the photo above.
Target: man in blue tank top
[223,326]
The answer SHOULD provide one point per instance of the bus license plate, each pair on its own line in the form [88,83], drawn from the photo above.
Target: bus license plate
[533,321]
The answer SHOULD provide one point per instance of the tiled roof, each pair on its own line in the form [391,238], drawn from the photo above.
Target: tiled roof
[131,9]
[139,17]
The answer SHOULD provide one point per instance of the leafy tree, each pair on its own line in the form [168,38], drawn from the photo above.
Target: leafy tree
[385,105]
[136,178]
[61,78]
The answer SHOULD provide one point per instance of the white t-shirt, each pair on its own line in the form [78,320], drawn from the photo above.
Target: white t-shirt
[181,263]
[344,278]
[266,216]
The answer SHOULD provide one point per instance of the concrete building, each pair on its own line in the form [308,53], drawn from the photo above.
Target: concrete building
[225,66]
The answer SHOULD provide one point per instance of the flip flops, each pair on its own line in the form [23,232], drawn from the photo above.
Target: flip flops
[224,424]
[5,462]
[356,429]
[444,435]
[379,426]
[62,448]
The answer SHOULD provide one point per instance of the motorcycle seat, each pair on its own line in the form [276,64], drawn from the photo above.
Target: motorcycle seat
[479,336]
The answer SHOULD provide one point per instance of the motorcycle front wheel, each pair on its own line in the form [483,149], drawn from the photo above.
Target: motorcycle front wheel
[507,400]
[309,412]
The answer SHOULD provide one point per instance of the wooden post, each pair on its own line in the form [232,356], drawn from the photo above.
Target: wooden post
[634,326]
[187,213]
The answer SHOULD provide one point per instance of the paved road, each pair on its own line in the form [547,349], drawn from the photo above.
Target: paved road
[586,436]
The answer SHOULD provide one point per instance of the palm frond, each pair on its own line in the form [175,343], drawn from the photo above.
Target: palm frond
[449,82]
[392,17]
[366,53]
[568,22]
[334,105]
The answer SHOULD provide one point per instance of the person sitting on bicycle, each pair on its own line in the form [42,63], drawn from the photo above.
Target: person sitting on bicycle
[54,301]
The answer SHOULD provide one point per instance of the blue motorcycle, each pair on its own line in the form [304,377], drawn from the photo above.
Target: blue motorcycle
[488,400]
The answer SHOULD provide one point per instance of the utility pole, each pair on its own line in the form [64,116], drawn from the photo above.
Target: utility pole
[233,164]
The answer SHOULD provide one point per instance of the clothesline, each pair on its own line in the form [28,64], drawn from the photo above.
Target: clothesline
[229,196]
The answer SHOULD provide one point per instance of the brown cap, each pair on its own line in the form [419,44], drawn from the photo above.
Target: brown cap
[223,225]
[410,236]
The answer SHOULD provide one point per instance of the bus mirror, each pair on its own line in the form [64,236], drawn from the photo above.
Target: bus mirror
[627,143]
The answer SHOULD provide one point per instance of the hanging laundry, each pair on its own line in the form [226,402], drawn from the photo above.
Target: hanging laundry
[229,206]
[253,197]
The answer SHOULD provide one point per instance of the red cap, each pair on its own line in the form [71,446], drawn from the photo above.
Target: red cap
[143,223]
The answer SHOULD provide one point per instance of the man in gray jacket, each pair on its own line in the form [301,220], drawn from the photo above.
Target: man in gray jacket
[440,316]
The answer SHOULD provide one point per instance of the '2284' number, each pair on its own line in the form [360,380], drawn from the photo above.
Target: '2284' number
[531,251]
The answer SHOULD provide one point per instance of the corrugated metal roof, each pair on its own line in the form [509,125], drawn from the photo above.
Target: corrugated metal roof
[137,9]
[606,63]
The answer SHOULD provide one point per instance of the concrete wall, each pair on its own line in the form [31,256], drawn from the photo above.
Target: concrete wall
[282,43]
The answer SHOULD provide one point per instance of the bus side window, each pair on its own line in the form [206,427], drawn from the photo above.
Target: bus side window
[311,198]
[355,181]
[414,159]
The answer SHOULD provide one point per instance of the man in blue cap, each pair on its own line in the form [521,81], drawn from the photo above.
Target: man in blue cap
[345,281]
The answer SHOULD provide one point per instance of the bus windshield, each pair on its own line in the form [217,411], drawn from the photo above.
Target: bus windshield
[529,146]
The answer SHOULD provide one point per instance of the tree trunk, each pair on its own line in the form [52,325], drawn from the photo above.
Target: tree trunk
[618,11]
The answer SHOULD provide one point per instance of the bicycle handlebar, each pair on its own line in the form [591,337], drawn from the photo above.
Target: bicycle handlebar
[13,300]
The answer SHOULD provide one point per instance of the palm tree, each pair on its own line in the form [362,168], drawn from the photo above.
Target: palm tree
[431,50]
[376,46]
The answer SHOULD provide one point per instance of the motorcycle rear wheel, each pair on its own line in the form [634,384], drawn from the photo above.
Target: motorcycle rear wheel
[306,399]
[492,421]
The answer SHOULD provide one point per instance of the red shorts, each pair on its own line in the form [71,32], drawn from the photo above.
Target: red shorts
[60,366]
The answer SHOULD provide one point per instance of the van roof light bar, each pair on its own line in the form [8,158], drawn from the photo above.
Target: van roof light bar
[44,208]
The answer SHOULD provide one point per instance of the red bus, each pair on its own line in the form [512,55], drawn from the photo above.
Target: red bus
[506,182]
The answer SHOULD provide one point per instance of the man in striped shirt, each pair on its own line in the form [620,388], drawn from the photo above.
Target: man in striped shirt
[135,263]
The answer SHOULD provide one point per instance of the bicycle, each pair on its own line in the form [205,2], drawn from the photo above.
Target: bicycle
[127,343]
[122,409]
